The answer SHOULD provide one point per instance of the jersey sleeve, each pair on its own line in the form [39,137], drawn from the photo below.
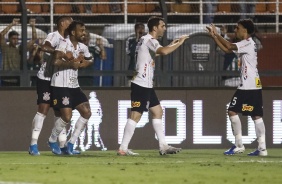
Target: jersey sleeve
[153,45]
[62,46]
[243,46]
[52,38]
[87,54]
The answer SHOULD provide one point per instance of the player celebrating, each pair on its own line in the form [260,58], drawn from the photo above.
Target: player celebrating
[43,84]
[143,96]
[248,97]
[67,94]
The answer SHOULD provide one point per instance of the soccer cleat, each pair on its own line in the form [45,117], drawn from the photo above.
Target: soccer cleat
[234,150]
[127,152]
[33,150]
[64,151]
[169,150]
[258,153]
[55,148]
[76,152]
[70,148]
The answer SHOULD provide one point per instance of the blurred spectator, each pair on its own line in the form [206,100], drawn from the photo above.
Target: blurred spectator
[209,8]
[131,43]
[98,52]
[247,8]
[34,61]
[34,54]
[88,7]
[230,60]
[257,39]
[11,52]
[115,8]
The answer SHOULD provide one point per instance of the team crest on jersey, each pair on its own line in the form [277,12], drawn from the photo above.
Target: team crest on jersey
[66,101]
[73,80]
[55,102]
[46,96]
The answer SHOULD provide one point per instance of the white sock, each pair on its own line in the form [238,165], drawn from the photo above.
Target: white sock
[260,132]
[79,127]
[37,124]
[237,130]
[63,138]
[127,134]
[57,129]
[159,129]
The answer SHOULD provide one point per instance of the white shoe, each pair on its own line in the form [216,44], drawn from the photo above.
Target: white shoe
[234,150]
[169,150]
[127,152]
[258,153]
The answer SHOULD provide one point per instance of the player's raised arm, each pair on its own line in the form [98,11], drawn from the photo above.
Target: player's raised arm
[223,44]
[172,46]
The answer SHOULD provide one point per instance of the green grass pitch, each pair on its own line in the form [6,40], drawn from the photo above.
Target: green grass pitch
[195,166]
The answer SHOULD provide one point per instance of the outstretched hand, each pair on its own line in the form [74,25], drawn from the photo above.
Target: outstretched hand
[183,38]
[211,29]
[180,40]
[15,21]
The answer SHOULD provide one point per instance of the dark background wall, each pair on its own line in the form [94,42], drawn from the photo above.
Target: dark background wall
[18,107]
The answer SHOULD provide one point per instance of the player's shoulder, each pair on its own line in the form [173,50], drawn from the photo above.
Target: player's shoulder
[82,45]
[55,33]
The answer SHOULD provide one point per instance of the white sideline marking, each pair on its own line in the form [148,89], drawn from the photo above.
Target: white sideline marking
[162,162]
[94,163]
[258,161]
[11,182]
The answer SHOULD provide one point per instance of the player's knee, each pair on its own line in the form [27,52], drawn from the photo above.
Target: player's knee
[67,118]
[86,114]
[231,113]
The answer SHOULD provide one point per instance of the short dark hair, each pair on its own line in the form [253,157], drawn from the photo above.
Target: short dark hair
[138,24]
[247,24]
[61,19]
[13,33]
[73,25]
[154,21]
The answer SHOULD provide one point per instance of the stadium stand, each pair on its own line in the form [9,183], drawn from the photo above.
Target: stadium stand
[10,8]
[62,8]
[224,8]
[36,7]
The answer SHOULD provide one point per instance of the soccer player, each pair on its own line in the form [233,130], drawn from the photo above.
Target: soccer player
[143,96]
[43,84]
[67,94]
[248,96]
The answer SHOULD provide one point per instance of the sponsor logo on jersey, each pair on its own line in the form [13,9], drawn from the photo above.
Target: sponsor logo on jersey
[55,102]
[135,104]
[145,68]
[247,108]
[258,83]
[73,80]
[245,75]
[46,96]
[66,101]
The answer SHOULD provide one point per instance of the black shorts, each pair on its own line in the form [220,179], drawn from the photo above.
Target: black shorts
[67,97]
[44,94]
[142,99]
[247,102]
